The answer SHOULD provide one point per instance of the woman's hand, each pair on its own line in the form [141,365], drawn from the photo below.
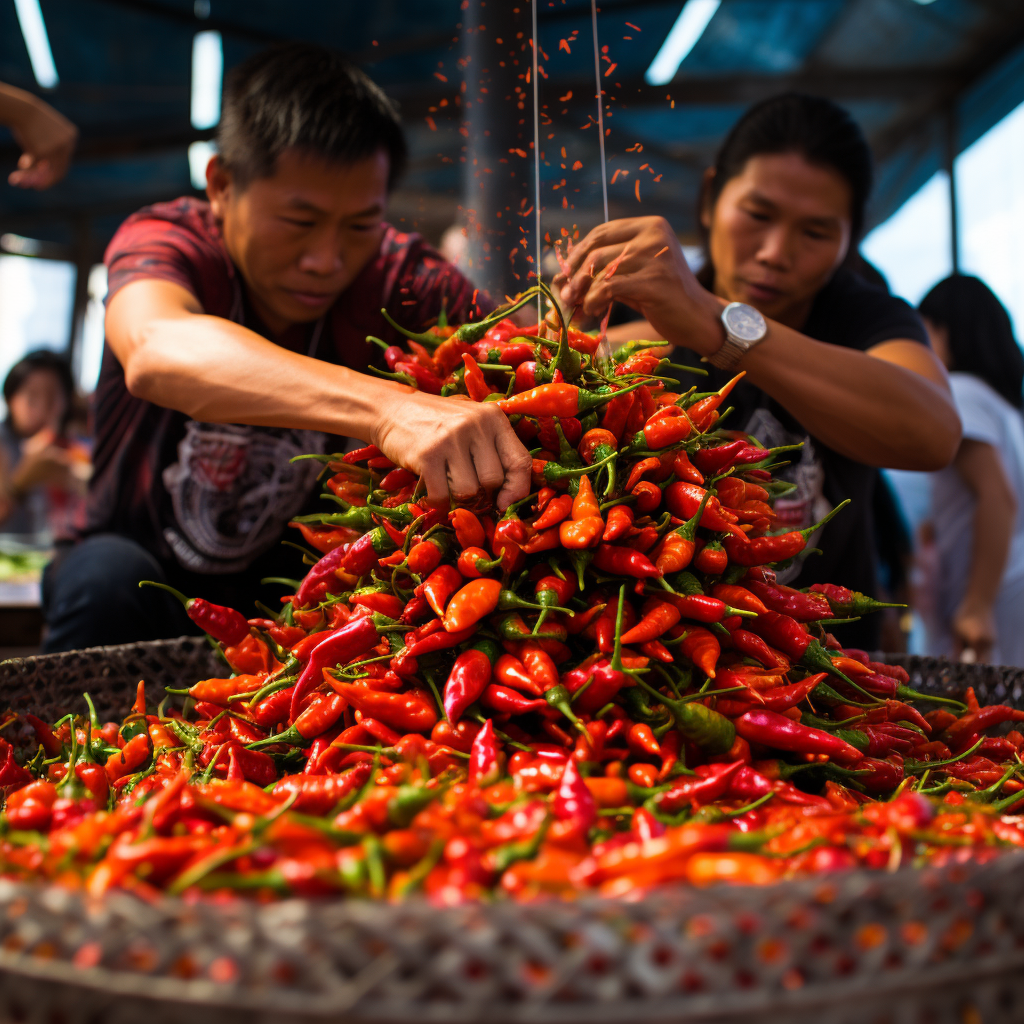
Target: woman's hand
[653,278]
[458,448]
[974,633]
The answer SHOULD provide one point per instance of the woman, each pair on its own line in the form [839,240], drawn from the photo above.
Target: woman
[42,473]
[978,501]
[827,357]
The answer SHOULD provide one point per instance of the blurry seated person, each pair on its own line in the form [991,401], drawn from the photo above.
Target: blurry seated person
[234,331]
[42,471]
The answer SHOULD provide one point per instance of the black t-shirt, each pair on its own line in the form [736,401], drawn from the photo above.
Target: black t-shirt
[850,313]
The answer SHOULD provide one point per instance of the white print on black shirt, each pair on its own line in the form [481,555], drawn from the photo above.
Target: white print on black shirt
[233,489]
[807,504]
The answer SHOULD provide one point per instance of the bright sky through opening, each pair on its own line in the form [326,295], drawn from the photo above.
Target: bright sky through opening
[682,38]
[207,75]
[33,28]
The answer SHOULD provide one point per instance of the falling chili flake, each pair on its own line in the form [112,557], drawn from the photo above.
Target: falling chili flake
[565,202]
[636,148]
[566,97]
[440,77]
[518,152]
[430,122]
[638,190]
[563,44]
[618,171]
[644,167]
[611,68]
[577,165]
[660,251]
[635,28]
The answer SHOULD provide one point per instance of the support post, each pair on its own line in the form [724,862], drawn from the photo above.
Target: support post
[949,125]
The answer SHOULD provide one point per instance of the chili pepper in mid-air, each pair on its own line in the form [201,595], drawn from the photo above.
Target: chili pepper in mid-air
[224,624]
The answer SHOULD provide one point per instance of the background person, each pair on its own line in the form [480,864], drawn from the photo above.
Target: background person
[233,328]
[42,470]
[47,139]
[977,515]
[842,364]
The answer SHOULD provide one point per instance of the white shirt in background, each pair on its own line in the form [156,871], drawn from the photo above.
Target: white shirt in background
[986,417]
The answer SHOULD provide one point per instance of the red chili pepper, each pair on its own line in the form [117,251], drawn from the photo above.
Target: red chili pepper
[573,802]
[474,563]
[411,711]
[319,794]
[756,551]
[668,426]
[510,671]
[224,624]
[484,757]
[620,520]
[800,606]
[702,412]
[338,647]
[129,758]
[624,562]
[503,699]
[469,676]
[703,790]
[439,586]
[377,601]
[683,500]
[561,400]
[774,730]
[425,556]
[701,647]
[846,603]
[738,597]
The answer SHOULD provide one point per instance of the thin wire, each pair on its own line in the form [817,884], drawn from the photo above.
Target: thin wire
[536,149]
[600,107]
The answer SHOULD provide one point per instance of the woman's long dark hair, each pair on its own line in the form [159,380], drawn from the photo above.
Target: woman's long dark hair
[981,340]
[819,130]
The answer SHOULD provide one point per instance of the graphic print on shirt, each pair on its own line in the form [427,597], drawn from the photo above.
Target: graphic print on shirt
[233,489]
[807,503]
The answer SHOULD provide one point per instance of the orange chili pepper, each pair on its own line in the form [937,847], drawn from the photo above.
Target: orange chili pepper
[475,600]
[581,533]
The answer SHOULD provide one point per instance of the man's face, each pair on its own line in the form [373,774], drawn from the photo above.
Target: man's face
[778,231]
[301,236]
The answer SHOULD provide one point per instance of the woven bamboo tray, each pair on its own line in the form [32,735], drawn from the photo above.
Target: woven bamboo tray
[936,946]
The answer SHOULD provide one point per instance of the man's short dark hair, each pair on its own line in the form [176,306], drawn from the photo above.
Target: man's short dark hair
[306,97]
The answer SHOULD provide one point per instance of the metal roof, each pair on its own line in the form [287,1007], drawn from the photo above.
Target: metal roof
[923,80]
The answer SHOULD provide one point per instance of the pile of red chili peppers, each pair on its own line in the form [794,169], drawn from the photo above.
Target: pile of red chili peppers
[603,689]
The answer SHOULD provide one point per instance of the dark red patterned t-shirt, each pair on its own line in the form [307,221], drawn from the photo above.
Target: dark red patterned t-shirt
[216,496]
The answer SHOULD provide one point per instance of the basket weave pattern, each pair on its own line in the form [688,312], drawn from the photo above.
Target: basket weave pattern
[939,945]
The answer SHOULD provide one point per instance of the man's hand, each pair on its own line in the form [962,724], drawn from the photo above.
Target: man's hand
[458,448]
[653,278]
[47,139]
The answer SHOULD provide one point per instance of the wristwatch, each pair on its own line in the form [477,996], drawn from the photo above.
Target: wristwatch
[744,328]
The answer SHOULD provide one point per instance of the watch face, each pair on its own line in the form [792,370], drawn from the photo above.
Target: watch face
[744,322]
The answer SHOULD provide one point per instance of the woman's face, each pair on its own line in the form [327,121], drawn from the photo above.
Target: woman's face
[778,231]
[37,404]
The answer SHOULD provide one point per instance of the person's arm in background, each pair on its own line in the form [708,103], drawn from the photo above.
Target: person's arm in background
[981,469]
[47,139]
[220,372]
[890,406]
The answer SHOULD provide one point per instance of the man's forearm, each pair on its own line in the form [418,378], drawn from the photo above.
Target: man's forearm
[15,105]
[864,407]
[220,372]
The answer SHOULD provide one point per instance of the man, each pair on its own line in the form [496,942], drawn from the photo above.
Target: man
[233,330]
